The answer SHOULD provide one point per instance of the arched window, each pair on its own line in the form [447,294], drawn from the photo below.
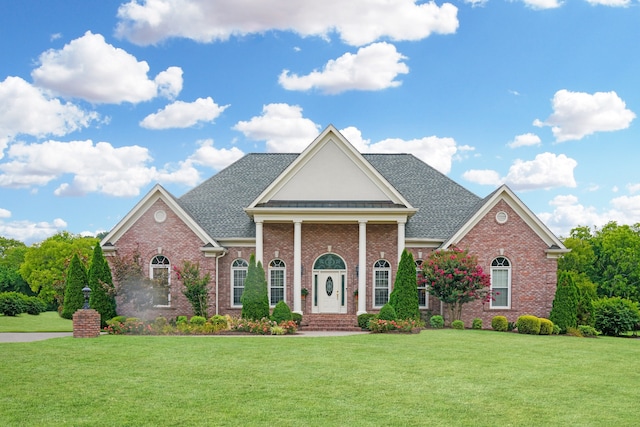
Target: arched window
[277,275]
[159,274]
[381,282]
[501,283]
[423,295]
[238,274]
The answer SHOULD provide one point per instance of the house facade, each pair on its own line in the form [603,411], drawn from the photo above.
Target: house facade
[329,226]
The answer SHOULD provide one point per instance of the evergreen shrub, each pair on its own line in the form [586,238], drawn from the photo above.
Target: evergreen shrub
[281,312]
[102,298]
[615,316]
[587,331]
[546,326]
[387,312]
[33,305]
[528,324]
[564,312]
[197,320]
[219,322]
[11,303]
[404,297]
[255,297]
[477,323]
[436,322]
[181,319]
[363,320]
[457,324]
[296,317]
[76,281]
[499,323]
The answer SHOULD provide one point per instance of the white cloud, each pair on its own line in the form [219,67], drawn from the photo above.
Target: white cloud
[46,116]
[358,22]
[613,3]
[476,3]
[184,114]
[578,114]
[542,4]
[4,213]
[633,188]
[101,168]
[373,67]
[215,158]
[525,140]
[546,171]
[283,128]
[30,232]
[91,69]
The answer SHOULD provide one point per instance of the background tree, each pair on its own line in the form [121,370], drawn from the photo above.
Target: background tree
[564,312]
[196,287]
[76,281]
[45,264]
[255,297]
[102,290]
[587,294]
[11,257]
[455,278]
[404,298]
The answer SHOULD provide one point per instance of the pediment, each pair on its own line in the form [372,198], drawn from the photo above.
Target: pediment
[330,172]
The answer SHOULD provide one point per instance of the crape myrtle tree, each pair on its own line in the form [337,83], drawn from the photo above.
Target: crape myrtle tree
[76,281]
[404,298]
[196,286]
[255,297]
[131,284]
[455,278]
[102,297]
[564,311]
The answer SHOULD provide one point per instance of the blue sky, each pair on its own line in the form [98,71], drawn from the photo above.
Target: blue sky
[101,100]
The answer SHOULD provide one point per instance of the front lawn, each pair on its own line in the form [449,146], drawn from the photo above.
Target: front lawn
[435,378]
[48,321]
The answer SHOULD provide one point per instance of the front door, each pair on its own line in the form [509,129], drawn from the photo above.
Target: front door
[329,291]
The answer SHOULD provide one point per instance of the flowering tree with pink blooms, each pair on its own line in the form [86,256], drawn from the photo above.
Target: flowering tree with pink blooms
[455,278]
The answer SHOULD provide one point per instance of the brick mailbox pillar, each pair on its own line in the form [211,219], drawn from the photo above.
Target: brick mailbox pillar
[86,323]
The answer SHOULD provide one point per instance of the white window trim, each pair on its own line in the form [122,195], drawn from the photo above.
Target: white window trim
[166,267]
[508,269]
[282,268]
[376,269]
[233,281]
[419,264]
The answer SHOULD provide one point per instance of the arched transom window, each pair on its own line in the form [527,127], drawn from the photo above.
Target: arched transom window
[159,274]
[381,282]
[501,283]
[423,295]
[238,275]
[277,277]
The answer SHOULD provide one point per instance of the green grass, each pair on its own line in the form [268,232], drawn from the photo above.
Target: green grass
[44,322]
[436,378]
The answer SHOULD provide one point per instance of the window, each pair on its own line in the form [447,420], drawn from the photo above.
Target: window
[276,281]
[159,274]
[238,274]
[381,282]
[423,295]
[501,283]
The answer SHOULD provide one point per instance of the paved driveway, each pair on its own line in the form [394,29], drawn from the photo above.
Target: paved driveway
[31,336]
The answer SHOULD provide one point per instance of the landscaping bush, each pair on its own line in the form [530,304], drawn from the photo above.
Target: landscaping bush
[181,319]
[477,323]
[615,316]
[119,319]
[546,326]
[219,322]
[297,317]
[499,323]
[34,305]
[255,297]
[399,325]
[587,331]
[281,312]
[404,297]
[528,324]
[457,324]
[564,312]
[556,329]
[574,332]
[436,322]
[197,321]
[363,320]
[387,312]
[11,303]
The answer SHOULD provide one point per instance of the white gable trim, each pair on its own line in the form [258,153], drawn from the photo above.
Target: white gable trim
[556,248]
[330,134]
[155,194]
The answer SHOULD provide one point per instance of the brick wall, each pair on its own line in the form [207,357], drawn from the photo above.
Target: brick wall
[86,324]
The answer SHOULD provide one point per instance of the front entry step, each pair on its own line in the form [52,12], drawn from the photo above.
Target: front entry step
[329,322]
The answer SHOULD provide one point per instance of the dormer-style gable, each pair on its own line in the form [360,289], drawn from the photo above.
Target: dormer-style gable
[109,243]
[504,193]
[330,173]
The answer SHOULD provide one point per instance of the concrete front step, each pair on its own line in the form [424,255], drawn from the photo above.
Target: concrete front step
[329,322]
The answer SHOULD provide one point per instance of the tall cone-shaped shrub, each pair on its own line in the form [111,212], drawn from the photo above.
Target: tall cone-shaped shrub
[101,283]
[255,297]
[404,297]
[564,311]
[76,280]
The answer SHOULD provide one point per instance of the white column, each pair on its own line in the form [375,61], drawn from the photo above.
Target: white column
[400,239]
[259,243]
[297,266]
[362,267]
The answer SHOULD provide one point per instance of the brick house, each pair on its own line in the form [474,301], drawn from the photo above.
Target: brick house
[333,222]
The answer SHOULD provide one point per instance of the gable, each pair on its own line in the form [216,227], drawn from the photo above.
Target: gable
[330,169]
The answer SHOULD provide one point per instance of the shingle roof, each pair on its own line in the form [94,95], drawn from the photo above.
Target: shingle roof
[217,204]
